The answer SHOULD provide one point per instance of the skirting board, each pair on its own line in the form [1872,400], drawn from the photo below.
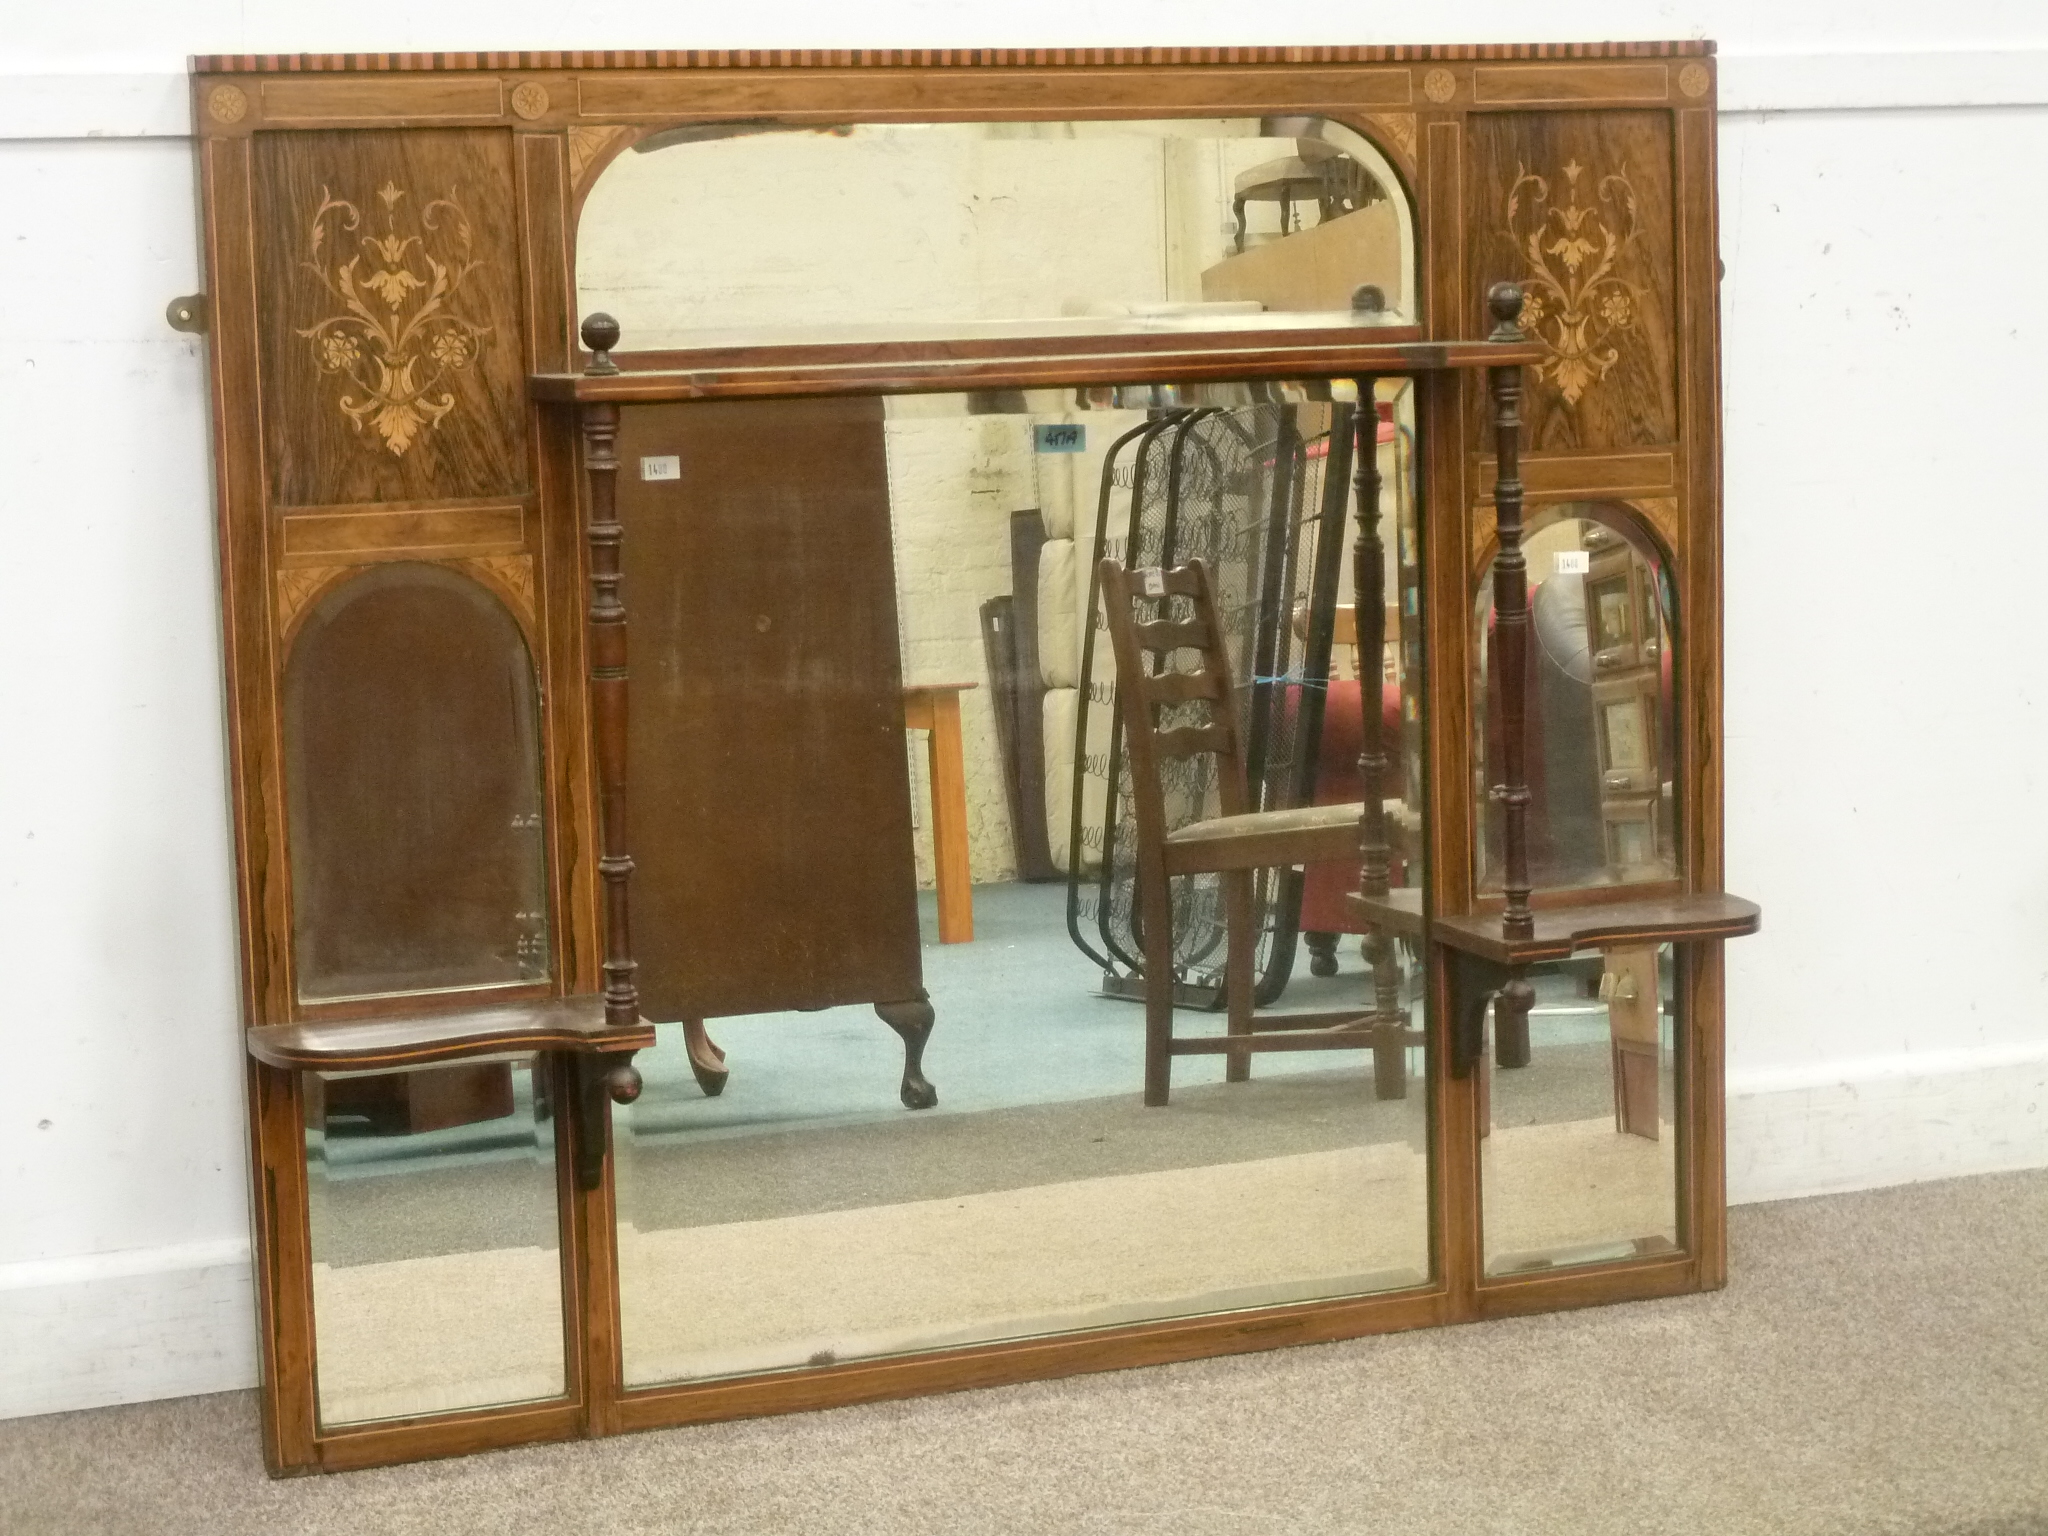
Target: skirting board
[126,1327]
[1903,1119]
[173,1322]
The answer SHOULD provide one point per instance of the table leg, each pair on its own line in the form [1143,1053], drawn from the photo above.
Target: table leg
[949,821]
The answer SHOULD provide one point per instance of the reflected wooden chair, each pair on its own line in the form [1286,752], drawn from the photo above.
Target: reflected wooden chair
[1231,845]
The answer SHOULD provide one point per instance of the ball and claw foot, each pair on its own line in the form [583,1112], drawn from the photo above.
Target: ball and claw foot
[911,1018]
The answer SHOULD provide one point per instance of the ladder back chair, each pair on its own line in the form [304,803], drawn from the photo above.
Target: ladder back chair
[1232,844]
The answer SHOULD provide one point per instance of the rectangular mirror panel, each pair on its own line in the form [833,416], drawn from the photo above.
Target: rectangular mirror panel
[1581,1157]
[437,1272]
[803,1215]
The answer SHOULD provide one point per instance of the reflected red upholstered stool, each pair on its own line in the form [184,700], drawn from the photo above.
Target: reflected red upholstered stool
[1324,886]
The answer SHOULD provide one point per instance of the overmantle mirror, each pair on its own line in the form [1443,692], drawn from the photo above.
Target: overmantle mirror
[764,443]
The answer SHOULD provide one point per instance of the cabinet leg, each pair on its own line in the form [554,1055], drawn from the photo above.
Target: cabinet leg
[912,1018]
[707,1061]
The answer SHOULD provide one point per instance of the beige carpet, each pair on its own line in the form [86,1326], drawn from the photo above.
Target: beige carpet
[1877,1367]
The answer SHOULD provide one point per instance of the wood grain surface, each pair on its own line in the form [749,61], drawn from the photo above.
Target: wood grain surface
[771,785]
[392,336]
[1576,208]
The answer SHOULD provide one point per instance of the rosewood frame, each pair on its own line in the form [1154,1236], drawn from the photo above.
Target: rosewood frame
[566,115]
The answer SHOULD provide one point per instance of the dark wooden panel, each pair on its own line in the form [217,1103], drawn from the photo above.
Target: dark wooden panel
[389,316]
[412,773]
[770,788]
[1576,207]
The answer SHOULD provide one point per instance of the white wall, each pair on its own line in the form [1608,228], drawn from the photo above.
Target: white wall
[1884,711]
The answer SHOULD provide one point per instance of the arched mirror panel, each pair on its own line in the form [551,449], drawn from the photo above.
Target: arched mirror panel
[412,773]
[939,229]
[1602,721]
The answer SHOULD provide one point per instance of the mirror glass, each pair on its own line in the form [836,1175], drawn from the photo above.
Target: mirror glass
[412,775]
[803,764]
[1602,735]
[752,231]
[437,1267]
[1580,1161]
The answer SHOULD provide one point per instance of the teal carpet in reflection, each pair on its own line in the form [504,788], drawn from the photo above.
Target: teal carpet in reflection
[1020,1022]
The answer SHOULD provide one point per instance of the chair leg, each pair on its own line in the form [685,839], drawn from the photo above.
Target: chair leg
[1390,1047]
[1155,910]
[1240,946]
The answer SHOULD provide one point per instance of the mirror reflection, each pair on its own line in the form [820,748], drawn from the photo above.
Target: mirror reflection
[436,1248]
[777,1206]
[1602,733]
[1580,1161]
[413,783]
[727,231]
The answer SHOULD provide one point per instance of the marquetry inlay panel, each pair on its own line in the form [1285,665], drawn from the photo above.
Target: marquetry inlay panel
[1576,207]
[393,364]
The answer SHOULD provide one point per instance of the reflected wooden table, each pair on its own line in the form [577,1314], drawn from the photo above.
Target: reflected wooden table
[934,708]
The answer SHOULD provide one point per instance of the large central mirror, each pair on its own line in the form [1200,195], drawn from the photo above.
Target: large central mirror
[919,783]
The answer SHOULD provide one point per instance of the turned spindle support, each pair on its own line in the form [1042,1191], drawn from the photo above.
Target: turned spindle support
[1375,857]
[610,1075]
[1511,656]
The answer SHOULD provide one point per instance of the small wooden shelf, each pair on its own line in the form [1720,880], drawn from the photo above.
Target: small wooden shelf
[1561,930]
[1399,912]
[393,1044]
[771,366]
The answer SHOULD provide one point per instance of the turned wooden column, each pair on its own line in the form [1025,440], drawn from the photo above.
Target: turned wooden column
[606,639]
[1369,620]
[1511,657]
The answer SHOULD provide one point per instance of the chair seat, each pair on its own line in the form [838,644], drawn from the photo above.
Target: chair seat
[1265,839]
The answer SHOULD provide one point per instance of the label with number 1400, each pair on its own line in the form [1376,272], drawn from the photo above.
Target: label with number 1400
[1573,562]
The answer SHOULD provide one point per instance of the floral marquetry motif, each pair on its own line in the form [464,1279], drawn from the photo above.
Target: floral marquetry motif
[1575,208]
[1576,302]
[1399,128]
[512,576]
[400,331]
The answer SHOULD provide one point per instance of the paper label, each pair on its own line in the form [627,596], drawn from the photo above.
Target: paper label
[1573,562]
[1059,437]
[667,466]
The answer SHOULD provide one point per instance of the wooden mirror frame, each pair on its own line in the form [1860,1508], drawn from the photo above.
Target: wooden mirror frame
[486,481]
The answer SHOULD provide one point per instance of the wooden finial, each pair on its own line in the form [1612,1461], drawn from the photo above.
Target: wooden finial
[601,334]
[1504,301]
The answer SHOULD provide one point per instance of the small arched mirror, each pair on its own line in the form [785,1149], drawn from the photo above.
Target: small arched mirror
[1602,733]
[412,773]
